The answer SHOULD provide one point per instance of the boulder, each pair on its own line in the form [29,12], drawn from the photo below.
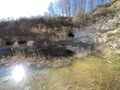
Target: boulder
[30,43]
[15,44]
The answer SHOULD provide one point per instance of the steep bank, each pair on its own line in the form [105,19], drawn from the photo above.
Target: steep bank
[103,28]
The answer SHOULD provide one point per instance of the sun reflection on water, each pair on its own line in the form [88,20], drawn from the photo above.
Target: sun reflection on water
[18,73]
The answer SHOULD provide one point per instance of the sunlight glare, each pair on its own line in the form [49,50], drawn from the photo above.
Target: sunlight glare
[18,73]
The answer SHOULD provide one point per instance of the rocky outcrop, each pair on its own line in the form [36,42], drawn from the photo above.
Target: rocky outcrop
[105,32]
[15,44]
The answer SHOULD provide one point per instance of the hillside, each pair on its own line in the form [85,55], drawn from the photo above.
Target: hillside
[103,28]
[81,52]
[98,29]
[101,25]
[29,29]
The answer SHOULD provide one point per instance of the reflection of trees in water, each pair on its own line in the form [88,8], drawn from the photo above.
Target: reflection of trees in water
[53,51]
[56,52]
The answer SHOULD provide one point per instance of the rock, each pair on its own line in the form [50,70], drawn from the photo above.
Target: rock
[6,79]
[104,32]
[0,41]
[27,88]
[30,43]
[109,62]
[15,44]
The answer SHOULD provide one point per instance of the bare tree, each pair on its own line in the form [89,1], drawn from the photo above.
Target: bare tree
[71,7]
[51,9]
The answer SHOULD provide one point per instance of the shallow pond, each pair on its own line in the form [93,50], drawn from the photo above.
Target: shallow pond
[91,73]
[6,72]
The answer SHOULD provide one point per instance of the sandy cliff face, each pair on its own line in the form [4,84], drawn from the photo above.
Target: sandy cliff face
[105,31]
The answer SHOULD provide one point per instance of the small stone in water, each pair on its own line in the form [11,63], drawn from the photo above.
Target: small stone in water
[5,81]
